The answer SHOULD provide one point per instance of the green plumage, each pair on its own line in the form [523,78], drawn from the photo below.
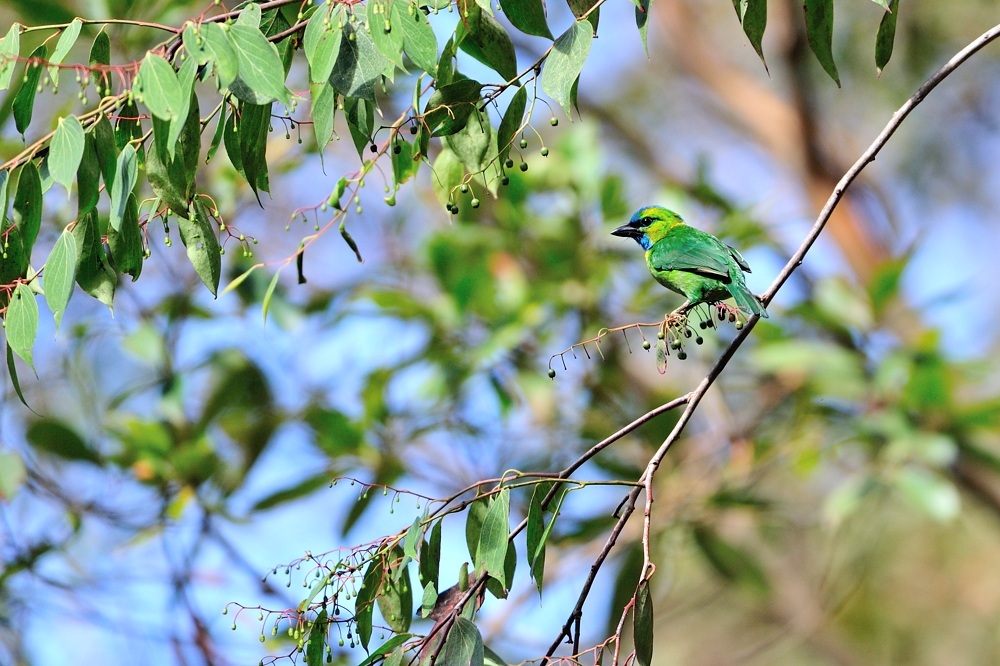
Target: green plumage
[695,264]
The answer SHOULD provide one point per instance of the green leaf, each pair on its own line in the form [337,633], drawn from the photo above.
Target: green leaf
[511,123]
[474,525]
[448,109]
[171,179]
[227,64]
[10,48]
[66,41]
[535,530]
[27,209]
[484,39]
[239,279]
[388,42]
[886,36]
[412,539]
[195,45]
[262,74]
[642,625]
[266,303]
[4,183]
[364,602]
[322,43]
[317,640]
[642,23]
[250,16]
[126,173]
[92,271]
[359,64]
[88,176]
[66,151]
[253,124]
[492,549]
[403,164]
[361,123]
[127,128]
[21,322]
[55,437]
[12,369]
[472,144]
[464,645]
[883,4]
[753,16]
[428,600]
[185,79]
[217,137]
[446,64]
[159,88]
[324,109]
[396,601]
[198,236]
[581,7]
[446,175]
[24,101]
[12,473]
[528,16]
[100,54]
[819,30]
[566,61]
[430,557]
[14,263]
[126,243]
[390,648]
[419,42]
[60,271]
[107,150]
[301,489]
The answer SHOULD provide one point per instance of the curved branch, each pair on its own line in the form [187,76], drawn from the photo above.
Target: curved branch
[694,398]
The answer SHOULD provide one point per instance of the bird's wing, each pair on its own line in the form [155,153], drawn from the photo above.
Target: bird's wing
[740,261]
[700,254]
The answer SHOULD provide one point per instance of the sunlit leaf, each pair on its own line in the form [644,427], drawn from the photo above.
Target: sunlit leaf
[528,16]
[66,41]
[66,151]
[388,38]
[492,550]
[159,88]
[446,175]
[396,600]
[60,272]
[21,322]
[27,210]
[126,172]
[266,303]
[364,601]
[321,43]
[226,62]
[359,64]
[463,646]
[565,62]
[260,67]
[10,47]
[419,42]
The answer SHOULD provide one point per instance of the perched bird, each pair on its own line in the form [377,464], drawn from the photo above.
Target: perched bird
[695,264]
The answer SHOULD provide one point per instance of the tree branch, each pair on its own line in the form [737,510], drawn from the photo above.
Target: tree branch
[694,398]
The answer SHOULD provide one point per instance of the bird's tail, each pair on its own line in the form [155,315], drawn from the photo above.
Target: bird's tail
[745,299]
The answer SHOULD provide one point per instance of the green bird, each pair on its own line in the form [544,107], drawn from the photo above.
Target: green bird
[695,264]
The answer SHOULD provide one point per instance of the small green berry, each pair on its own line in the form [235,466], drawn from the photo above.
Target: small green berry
[505,181]
[645,345]
[475,203]
[552,373]
[545,152]
[524,166]
[682,355]
[464,188]
[524,143]
[553,121]
[397,149]
[739,326]
[509,163]
[699,340]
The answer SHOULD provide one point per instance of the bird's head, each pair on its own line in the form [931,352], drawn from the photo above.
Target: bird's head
[649,225]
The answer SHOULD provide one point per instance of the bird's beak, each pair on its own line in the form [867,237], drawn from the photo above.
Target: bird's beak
[625,231]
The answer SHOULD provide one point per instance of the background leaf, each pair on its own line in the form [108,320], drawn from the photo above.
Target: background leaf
[24,101]
[819,30]
[66,41]
[886,36]
[528,16]
[10,47]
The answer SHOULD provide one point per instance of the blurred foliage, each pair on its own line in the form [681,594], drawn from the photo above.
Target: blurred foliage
[834,502]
